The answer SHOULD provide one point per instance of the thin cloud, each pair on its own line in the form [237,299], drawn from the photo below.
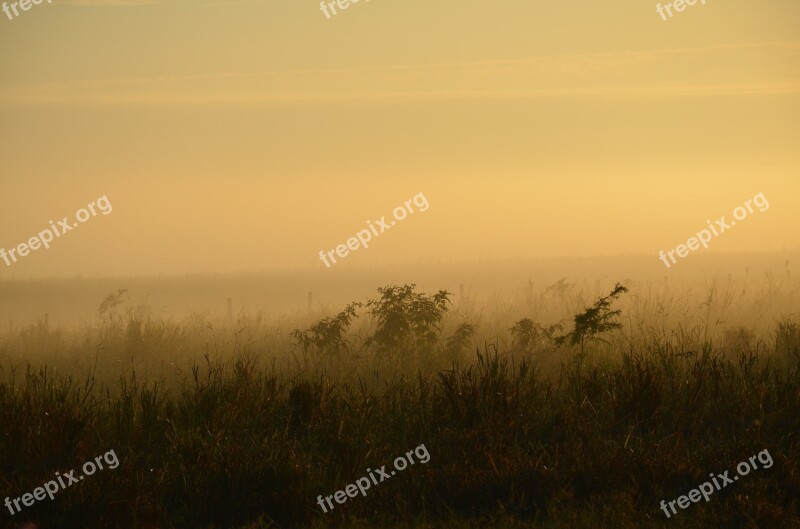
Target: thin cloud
[619,75]
[643,93]
[629,57]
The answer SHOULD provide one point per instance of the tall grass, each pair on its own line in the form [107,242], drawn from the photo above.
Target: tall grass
[232,427]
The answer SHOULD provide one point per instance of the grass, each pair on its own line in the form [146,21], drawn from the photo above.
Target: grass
[517,440]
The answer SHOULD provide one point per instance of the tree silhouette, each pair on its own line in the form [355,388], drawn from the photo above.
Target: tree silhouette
[406,319]
[327,335]
[595,320]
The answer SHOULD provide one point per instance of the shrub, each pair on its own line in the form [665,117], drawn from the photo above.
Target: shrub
[327,336]
[595,320]
[407,320]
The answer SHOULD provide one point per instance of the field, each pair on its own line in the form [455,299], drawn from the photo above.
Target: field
[269,264]
[243,420]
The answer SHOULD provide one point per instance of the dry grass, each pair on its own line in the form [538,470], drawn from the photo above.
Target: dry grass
[220,425]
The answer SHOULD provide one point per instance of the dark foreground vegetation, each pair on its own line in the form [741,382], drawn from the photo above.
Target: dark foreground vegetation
[591,443]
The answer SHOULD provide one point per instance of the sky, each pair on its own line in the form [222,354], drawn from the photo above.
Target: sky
[236,136]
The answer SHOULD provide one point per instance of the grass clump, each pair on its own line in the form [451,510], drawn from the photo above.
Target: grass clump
[243,442]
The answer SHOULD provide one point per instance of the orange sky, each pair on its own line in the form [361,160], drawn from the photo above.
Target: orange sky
[242,135]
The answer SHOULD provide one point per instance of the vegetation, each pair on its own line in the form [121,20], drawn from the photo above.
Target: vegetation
[407,321]
[595,320]
[519,435]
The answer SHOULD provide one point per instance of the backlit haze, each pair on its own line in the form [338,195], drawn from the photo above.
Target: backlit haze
[241,136]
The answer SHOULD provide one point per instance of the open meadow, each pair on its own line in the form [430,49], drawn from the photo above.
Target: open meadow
[412,264]
[567,405]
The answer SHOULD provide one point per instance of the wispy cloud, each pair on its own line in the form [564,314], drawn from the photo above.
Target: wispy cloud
[629,75]
[601,93]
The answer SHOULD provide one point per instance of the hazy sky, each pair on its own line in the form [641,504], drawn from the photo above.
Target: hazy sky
[242,135]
